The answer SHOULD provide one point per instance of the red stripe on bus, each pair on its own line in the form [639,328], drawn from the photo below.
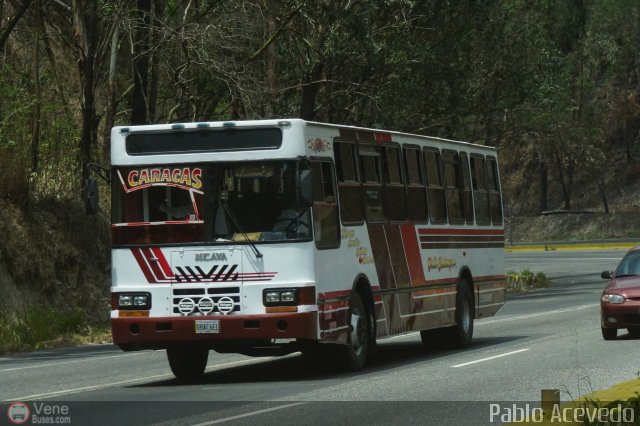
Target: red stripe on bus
[164,264]
[332,294]
[148,254]
[412,252]
[143,265]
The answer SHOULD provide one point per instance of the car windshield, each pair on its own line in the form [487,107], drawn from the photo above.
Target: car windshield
[630,265]
[216,202]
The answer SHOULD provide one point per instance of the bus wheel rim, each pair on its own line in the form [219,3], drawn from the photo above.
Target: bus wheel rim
[358,332]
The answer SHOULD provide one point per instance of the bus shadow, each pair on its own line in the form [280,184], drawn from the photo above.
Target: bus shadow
[295,368]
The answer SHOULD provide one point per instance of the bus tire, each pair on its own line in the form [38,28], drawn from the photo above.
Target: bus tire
[460,335]
[354,355]
[187,363]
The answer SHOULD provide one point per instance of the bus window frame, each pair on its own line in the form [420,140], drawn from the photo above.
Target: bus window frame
[457,188]
[442,186]
[422,185]
[469,189]
[372,149]
[334,184]
[498,190]
[484,190]
[386,181]
[349,184]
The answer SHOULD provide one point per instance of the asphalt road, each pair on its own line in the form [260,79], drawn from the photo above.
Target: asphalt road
[547,339]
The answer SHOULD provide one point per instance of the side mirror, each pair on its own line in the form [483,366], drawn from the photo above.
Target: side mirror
[607,275]
[91,196]
[306,188]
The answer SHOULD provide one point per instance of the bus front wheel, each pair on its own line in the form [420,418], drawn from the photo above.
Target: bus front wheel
[187,363]
[354,354]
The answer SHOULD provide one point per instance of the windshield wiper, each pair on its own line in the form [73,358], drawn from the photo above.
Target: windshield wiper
[626,275]
[235,221]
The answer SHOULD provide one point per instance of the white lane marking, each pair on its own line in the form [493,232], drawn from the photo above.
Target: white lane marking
[507,319]
[572,259]
[252,413]
[85,388]
[537,314]
[124,382]
[489,358]
[50,364]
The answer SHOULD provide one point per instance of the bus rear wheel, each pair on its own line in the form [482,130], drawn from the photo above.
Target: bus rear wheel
[354,355]
[187,363]
[460,335]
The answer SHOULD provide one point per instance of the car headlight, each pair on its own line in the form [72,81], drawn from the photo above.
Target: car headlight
[612,298]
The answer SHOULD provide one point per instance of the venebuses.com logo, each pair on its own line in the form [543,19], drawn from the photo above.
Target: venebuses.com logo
[18,413]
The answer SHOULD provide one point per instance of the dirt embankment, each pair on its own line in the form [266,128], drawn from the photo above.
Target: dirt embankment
[52,254]
[573,227]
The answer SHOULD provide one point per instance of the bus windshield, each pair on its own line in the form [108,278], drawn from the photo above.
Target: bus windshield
[208,203]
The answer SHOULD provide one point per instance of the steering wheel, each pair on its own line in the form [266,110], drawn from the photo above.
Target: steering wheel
[292,222]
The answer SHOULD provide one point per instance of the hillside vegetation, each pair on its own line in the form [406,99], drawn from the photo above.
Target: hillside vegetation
[554,85]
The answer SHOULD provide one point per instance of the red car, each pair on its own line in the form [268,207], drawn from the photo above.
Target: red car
[620,301]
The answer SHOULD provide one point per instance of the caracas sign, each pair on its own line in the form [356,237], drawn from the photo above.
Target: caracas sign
[190,178]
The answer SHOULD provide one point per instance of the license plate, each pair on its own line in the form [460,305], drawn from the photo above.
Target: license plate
[207,326]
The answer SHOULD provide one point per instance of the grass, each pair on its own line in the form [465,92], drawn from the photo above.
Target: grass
[526,279]
[40,328]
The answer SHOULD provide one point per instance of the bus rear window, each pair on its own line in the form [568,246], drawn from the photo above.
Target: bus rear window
[209,140]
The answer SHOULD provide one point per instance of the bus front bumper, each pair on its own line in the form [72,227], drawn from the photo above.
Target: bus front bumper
[131,333]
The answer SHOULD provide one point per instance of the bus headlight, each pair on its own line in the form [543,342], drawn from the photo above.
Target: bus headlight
[134,301]
[125,301]
[280,297]
[288,296]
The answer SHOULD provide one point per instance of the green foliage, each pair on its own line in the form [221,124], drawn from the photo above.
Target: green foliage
[33,327]
[527,278]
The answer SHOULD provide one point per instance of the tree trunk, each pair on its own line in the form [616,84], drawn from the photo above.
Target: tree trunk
[13,22]
[139,96]
[310,92]
[270,62]
[35,123]
[112,102]
[566,191]
[603,194]
[158,12]
[85,22]
[543,174]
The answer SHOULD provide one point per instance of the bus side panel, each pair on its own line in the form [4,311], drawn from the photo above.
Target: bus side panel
[411,302]
[336,273]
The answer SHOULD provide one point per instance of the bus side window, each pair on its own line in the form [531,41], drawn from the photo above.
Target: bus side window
[349,189]
[480,194]
[416,193]
[393,196]
[467,197]
[435,187]
[371,182]
[326,226]
[453,182]
[493,185]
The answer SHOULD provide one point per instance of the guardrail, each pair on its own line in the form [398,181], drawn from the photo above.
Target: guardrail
[626,243]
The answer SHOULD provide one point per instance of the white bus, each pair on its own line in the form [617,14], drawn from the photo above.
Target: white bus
[275,236]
